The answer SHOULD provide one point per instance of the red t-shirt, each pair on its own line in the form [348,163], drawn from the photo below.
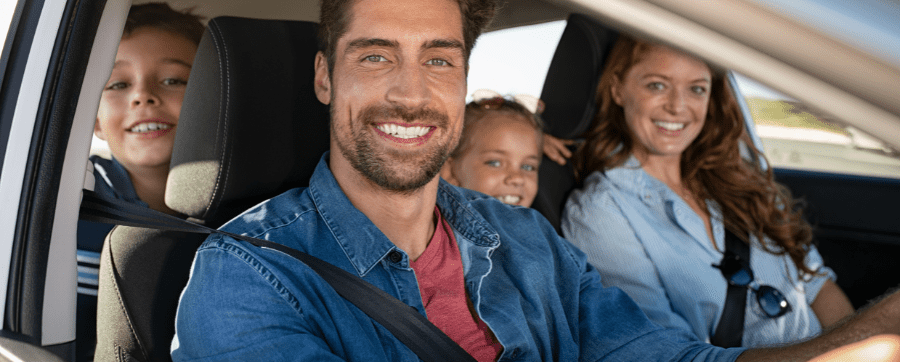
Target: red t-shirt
[440,275]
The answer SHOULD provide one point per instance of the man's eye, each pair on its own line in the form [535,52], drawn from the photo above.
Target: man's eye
[375,58]
[493,163]
[438,62]
[116,85]
[174,81]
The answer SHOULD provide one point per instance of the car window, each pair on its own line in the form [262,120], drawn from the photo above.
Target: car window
[514,61]
[794,136]
[798,137]
[7,8]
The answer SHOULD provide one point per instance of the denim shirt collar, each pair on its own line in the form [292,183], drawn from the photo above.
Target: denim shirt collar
[364,244]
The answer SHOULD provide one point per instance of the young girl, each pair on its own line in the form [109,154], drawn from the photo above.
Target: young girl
[500,148]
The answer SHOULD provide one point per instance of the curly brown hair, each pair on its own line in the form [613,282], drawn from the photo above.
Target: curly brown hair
[712,166]
[334,15]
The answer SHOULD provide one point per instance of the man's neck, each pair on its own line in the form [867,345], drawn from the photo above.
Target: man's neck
[407,219]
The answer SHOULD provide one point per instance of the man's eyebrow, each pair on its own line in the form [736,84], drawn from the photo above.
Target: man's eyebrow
[370,42]
[443,43]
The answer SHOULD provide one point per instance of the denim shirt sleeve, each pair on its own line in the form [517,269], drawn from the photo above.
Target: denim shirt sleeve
[596,225]
[241,328]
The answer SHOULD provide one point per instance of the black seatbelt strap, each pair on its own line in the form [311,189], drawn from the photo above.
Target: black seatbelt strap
[404,322]
[730,330]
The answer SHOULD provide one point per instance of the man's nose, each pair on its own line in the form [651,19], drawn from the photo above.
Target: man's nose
[409,88]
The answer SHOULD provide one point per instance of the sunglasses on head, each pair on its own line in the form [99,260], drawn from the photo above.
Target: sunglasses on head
[771,300]
[491,100]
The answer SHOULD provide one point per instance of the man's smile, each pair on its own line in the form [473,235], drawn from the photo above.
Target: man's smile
[405,134]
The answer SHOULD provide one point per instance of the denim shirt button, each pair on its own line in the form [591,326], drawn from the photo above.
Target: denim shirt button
[395,256]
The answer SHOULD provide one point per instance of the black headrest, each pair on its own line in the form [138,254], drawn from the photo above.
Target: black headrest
[570,88]
[250,125]
[570,97]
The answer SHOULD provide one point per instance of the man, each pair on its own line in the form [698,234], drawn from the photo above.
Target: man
[498,280]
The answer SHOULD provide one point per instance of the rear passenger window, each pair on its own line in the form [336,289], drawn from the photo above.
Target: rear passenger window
[514,61]
[798,137]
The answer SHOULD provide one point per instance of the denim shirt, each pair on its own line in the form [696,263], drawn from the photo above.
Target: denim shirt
[536,292]
[645,239]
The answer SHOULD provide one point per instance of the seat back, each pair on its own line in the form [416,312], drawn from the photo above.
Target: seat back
[250,128]
[569,93]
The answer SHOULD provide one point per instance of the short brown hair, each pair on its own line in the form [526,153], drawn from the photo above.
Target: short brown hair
[163,17]
[334,15]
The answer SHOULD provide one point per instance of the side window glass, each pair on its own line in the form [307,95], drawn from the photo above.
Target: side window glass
[7,8]
[798,137]
[515,60]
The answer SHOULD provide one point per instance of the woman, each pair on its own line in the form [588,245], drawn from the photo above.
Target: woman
[664,177]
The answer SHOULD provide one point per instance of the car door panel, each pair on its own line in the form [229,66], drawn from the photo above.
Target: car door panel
[856,227]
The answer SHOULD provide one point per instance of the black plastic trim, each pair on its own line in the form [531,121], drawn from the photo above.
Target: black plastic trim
[31,243]
[16,49]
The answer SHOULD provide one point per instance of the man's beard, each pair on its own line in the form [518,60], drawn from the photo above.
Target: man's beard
[375,166]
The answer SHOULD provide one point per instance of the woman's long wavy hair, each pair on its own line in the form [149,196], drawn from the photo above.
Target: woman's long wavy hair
[711,167]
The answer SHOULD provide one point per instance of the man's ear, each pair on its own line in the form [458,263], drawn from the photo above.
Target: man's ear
[98,131]
[447,172]
[616,90]
[322,81]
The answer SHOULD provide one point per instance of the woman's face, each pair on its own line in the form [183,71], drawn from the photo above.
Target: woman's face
[664,97]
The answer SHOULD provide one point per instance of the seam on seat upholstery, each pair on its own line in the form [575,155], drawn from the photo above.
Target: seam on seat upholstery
[223,154]
[115,283]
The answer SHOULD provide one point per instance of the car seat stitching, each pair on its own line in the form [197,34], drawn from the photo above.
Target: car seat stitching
[223,166]
[118,294]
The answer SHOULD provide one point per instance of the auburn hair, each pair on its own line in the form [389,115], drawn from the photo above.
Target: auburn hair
[712,166]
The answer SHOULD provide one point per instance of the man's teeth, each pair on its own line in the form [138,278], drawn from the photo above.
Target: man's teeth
[403,132]
[509,199]
[671,126]
[149,127]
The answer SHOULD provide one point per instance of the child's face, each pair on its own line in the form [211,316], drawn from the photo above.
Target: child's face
[501,159]
[141,101]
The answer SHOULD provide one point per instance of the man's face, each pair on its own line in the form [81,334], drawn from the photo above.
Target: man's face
[397,91]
